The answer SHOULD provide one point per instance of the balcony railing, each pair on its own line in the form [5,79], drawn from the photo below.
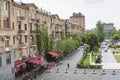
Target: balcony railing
[33,43]
[21,31]
[22,45]
[32,20]
[34,32]
[5,49]
[20,18]
[56,31]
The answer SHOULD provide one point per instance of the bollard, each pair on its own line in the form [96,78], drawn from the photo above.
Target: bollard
[84,72]
[75,72]
[57,71]
[103,73]
[49,71]
[94,72]
[113,73]
[66,71]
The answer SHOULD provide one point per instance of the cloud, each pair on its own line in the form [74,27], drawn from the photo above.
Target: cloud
[94,1]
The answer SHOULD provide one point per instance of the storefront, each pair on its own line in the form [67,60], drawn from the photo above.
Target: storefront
[20,67]
[52,56]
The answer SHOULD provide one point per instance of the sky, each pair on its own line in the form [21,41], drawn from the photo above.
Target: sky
[108,11]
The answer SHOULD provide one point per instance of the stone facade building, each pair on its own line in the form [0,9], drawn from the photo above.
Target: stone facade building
[78,19]
[18,31]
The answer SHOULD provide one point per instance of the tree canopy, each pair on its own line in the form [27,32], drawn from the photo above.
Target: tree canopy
[100,31]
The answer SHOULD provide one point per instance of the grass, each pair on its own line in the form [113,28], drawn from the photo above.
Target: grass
[117,57]
[115,51]
[86,63]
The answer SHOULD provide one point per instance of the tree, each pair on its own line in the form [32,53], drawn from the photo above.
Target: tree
[43,41]
[116,37]
[67,33]
[100,31]
[40,41]
[86,49]
[76,35]
[62,35]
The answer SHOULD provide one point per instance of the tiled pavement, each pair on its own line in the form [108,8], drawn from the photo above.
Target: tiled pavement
[72,60]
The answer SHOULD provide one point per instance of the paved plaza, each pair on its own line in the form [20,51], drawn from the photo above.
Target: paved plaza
[74,73]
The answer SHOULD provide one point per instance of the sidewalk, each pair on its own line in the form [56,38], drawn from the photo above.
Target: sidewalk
[109,61]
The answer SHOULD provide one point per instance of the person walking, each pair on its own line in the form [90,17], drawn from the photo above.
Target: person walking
[68,65]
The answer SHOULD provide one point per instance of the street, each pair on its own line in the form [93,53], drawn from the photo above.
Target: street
[78,74]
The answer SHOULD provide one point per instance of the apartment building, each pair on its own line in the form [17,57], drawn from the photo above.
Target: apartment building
[6,41]
[18,31]
[57,26]
[78,19]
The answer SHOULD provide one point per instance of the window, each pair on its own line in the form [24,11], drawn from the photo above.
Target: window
[19,26]
[30,16]
[25,38]
[25,27]
[25,14]
[13,11]
[18,13]
[5,8]
[6,42]
[13,39]
[0,61]
[8,59]
[13,25]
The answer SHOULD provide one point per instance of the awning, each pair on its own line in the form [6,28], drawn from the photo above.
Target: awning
[35,61]
[53,54]
[39,56]
[18,63]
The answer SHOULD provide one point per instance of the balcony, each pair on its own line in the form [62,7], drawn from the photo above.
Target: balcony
[6,49]
[22,45]
[20,18]
[56,31]
[33,43]
[34,32]
[21,31]
[32,20]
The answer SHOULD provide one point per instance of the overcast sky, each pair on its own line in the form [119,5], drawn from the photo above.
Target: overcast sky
[107,11]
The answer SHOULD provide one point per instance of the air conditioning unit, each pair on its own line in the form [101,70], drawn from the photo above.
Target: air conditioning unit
[7,49]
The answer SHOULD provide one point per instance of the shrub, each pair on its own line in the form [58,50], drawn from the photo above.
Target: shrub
[86,64]
[117,46]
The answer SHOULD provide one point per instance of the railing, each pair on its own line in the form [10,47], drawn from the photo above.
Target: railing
[21,31]
[4,49]
[22,44]
[33,43]
[32,20]
[34,32]
[20,18]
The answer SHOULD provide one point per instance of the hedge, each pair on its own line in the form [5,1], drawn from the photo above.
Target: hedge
[86,63]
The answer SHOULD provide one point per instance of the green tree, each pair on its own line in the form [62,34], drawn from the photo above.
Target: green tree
[76,35]
[43,41]
[67,33]
[62,35]
[86,49]
[116,37]
[100,31]
[40,41]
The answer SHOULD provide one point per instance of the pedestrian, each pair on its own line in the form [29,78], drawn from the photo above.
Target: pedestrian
[68,65]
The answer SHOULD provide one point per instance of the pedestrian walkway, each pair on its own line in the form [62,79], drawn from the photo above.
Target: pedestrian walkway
[61,72]
[109,61]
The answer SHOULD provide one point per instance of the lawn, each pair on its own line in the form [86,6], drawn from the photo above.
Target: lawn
[86,63]
[115,51]
[117,57]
